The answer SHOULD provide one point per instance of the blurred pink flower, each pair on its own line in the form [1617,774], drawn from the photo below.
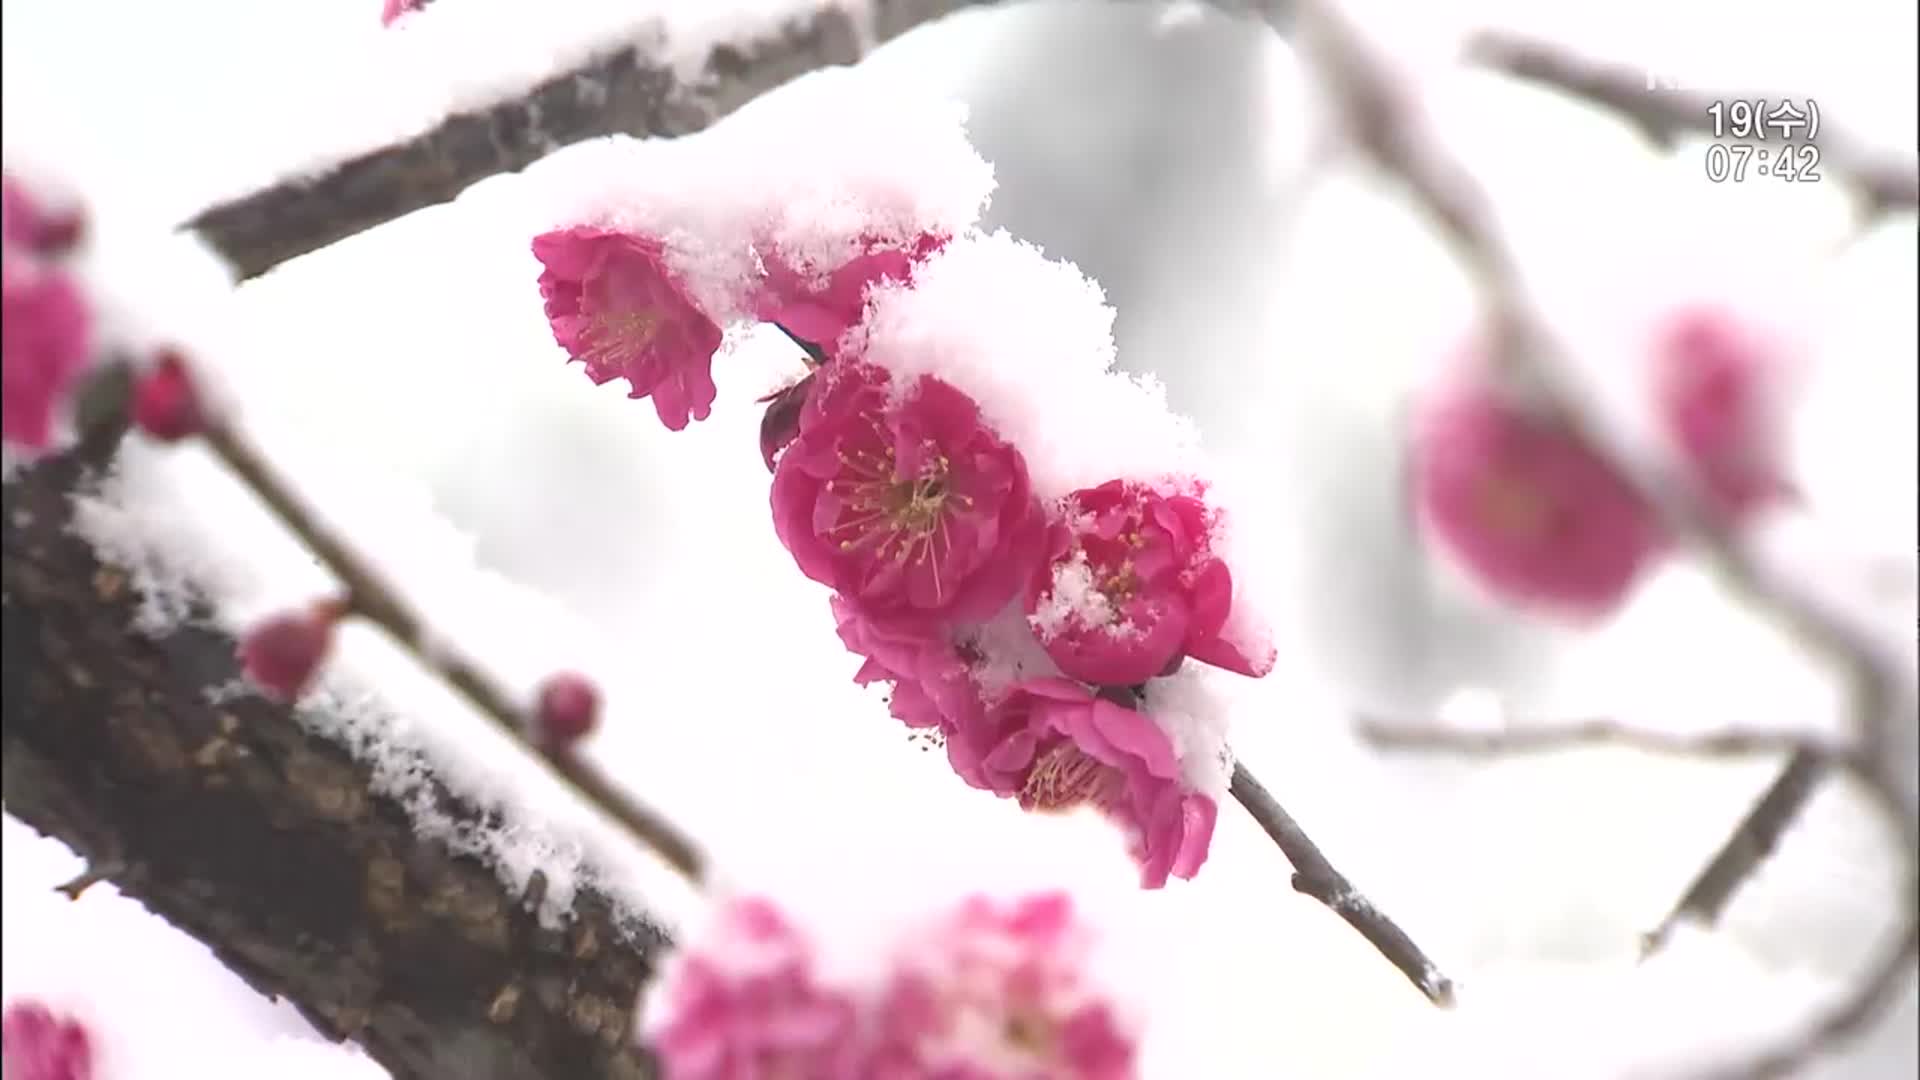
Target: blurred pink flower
[1532,514]
[905,503]
[46,342]
[1131,586]
[819,308]
[743,1002]
[1717,388]
[616,305]
[37,1045]
[1055,745]
[999,991]
[29,226]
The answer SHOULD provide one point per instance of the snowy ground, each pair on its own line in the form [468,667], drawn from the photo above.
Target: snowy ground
[409,373]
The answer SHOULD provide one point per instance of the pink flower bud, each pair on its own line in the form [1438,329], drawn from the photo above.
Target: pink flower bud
[283,654]
[37,1045]
[165,403]
[568,709]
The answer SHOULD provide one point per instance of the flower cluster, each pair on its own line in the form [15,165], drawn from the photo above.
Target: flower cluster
[1541,520]
[1023,628]
[990,991]
[46,326]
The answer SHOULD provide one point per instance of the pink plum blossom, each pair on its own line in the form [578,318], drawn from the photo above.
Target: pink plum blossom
[999,991]
[46,342]
[1525,508]
[1716,386]
[1131,586]
[903,501]
[743,1003]
[35,1044]
[616,305]
[1056,746]
[819,308]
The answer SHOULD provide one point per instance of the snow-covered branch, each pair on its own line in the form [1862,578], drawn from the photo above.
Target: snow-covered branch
[1314,876]
[372,599]
[635,84]
[1378,109]
[237,822]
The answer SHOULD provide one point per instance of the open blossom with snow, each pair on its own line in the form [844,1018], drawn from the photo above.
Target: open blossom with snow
[1020,541]
[990,990]
[36,1044]
[903,502]
[1131,587]
[616,305]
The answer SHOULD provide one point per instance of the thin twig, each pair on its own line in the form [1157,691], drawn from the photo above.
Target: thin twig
[1314,876]
[371,599]
[1885,180]
[1388,125]
[1536,738]
[1751,843]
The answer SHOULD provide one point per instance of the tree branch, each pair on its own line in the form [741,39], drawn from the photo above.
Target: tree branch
[370,598]
[1314,876]
[631,88]
[1884,180]
[268,844]
[1380,116]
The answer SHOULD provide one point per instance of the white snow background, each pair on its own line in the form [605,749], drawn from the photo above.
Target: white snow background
[409,378]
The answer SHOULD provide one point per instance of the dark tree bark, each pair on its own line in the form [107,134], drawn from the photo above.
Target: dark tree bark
[237,825]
